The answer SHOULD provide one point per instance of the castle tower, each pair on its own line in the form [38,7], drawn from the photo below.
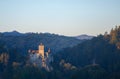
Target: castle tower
[41,50]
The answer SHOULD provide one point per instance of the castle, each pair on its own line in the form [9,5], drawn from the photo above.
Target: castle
[40,58]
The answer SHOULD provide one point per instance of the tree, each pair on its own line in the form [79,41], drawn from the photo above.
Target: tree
[113,35]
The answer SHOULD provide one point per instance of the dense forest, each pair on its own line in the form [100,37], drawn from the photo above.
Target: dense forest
[98,58]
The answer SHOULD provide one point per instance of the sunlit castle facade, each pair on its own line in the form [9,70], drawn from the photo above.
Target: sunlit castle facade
[41,50]
[41,58]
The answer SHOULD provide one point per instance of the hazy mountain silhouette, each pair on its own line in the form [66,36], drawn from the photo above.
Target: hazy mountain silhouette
[25,41]
[84,37]
[13,33]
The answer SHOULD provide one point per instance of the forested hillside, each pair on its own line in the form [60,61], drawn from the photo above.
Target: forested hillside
[24,42]
[98,58]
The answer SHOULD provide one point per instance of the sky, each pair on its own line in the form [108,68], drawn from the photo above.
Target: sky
[65,17]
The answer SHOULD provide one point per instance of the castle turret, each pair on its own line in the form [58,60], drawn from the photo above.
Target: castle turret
[49,50]
[41,50]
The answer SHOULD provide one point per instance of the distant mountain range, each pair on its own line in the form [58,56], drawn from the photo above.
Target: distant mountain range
[84,37]
[13,33]
[16,33]
[26,41]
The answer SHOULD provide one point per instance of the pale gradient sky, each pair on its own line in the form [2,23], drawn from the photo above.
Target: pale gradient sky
[66,17]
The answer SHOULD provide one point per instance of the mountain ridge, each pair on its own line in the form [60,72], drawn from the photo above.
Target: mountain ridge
[26,41]
[84,37]
[17,33]
[12,33]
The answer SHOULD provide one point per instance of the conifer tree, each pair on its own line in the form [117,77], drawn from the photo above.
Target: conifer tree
[113,35]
